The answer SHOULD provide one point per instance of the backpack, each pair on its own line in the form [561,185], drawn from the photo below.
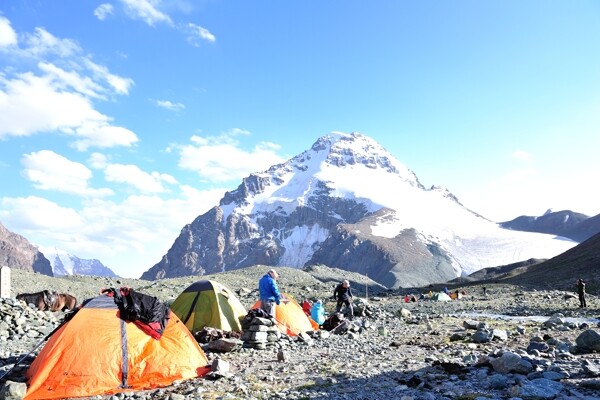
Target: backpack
[255,312]
[332,321]
[147,312]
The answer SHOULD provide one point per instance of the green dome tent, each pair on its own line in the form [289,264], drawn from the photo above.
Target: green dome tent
[441,296]
[209,303]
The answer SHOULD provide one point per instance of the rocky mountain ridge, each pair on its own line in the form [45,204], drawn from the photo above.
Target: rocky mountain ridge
[17,252]
[566,223]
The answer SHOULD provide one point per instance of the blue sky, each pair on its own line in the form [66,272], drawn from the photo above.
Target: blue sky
[121,121]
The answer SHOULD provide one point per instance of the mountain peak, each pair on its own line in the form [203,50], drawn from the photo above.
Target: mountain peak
[64,264]
[343,163]
[347,203]
[347,150]
[355,148]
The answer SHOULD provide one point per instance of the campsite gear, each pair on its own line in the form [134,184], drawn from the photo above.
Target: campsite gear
[147,312]
[290,318]
[440,296]
[209,303]
[333,321]
[342,328]
[97,352]
[246,322]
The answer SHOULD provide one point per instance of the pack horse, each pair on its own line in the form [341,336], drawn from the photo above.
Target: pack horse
[49,301]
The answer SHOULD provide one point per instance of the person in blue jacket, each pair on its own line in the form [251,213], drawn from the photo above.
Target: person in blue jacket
[269,293]
[317,312]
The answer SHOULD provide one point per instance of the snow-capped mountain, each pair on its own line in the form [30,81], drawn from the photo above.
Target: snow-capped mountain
[348,203]
[64,264]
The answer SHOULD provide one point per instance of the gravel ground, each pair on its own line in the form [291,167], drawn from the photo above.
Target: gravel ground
[428,354]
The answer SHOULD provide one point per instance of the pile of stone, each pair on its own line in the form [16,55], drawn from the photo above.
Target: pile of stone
[22,330]
[19,321]
[209,334]
[262,333]
[218,340]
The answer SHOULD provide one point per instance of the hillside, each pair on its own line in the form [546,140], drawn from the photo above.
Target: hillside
[314,282]
[561,272]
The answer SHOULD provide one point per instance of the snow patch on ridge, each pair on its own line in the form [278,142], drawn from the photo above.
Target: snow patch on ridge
[299,244]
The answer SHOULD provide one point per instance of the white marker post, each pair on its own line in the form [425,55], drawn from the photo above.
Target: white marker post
[4,282]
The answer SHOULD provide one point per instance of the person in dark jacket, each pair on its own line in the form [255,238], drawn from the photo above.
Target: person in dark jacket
[343,295]
[269,292]
[581,292]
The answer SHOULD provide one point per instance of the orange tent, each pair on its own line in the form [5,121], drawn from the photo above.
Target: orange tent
[97,353]
[290,317]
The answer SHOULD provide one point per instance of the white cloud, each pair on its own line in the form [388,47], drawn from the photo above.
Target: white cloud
[128,236]
[59,97]
[8,37]
[101,134]
[32,104]
[35,214]
[62,80]
[42,44]
[134,176]
[197,33]
[522,156]
[220,159]
[98,160]
[146,10]
[51,171]
[237,132]
[169,105]
[103,11]
[118,83]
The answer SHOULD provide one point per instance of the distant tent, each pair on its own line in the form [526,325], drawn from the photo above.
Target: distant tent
[209,303]
[456,295]
[291,319]
[440,296]
[97,353]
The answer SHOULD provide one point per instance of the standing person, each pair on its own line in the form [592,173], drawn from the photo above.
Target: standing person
[581,292]
[343,295]
[269,293]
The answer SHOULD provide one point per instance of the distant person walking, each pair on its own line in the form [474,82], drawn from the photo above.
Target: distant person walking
[343,295]
[269,293]
[581,292]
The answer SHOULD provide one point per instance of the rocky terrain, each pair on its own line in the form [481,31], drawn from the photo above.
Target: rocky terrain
[514,342]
